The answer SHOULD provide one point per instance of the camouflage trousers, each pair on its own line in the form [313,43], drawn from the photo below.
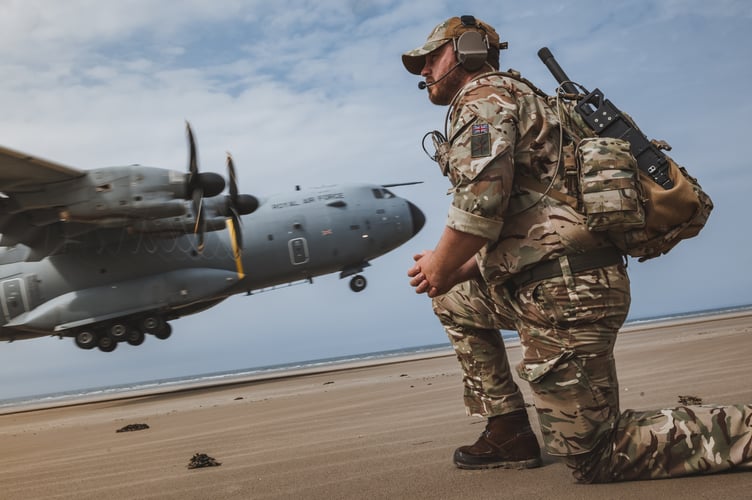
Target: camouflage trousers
[567,327]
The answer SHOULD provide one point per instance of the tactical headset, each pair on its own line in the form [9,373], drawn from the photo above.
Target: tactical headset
[471,48]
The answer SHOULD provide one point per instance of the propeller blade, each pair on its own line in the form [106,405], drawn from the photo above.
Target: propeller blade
[194,190]
[233,179]
[233,203]
[198,213]
[197,207]
[192,156]
[237,232]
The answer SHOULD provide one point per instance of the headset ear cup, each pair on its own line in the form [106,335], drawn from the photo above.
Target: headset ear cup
[472,50]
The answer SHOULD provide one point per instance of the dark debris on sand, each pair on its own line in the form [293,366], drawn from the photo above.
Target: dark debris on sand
[200,460]
[690,400]
[133,427]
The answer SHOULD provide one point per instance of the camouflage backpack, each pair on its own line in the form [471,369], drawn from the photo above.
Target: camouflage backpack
[643,219]
[647,210]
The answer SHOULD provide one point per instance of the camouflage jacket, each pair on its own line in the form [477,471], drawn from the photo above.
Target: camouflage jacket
[501,128]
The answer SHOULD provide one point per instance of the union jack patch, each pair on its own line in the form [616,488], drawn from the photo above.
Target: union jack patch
[480,140]
[480,128]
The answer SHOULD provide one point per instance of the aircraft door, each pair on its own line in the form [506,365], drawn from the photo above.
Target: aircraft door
[297,243]
[13,298]
[298,251]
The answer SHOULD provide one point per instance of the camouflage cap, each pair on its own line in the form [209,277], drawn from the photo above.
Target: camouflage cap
[450,29]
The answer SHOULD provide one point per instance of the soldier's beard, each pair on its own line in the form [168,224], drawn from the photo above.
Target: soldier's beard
[444,91]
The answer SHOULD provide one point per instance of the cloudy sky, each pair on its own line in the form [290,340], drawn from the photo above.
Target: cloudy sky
[311,93]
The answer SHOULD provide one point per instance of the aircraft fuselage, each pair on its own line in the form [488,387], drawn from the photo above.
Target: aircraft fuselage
[116,279]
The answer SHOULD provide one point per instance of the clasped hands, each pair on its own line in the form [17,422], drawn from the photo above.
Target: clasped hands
[428,275]
[418,274]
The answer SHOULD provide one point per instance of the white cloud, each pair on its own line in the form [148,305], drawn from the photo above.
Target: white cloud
[312,93]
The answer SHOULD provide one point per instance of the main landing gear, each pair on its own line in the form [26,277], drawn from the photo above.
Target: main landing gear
[107,337]
[358,283]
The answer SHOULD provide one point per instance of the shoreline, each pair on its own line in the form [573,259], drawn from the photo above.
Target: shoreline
[192,386]
[229,381]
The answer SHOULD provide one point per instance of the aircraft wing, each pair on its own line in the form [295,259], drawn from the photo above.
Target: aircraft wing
[22,172]
[27,209]
[45,205]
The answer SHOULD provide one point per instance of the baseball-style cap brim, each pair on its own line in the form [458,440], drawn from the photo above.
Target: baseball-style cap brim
[415,59]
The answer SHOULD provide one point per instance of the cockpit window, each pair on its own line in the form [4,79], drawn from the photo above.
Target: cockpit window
[382,193]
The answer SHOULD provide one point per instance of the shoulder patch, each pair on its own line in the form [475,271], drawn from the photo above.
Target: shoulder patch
[480,141]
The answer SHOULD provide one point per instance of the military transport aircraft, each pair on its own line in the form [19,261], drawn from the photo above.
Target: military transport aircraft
[111,254]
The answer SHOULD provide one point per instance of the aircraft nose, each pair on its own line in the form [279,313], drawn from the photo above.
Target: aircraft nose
[419,220]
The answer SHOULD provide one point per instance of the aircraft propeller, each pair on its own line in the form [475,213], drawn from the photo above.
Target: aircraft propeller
[239,204]
[198,186]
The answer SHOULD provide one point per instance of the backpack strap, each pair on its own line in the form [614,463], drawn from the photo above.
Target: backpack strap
[571,180]
[531,184]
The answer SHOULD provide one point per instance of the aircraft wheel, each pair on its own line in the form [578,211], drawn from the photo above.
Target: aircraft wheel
[86,339]
[119,332]
[151,323]
[358,283]
[135,337]
[106,343]
[164,332]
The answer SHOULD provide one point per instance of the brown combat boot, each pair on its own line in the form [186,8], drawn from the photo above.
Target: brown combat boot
[507,442]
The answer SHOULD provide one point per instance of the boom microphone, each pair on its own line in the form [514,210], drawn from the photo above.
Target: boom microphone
[425,85]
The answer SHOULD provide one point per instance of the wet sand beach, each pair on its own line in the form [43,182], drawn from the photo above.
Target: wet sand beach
[379,431]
